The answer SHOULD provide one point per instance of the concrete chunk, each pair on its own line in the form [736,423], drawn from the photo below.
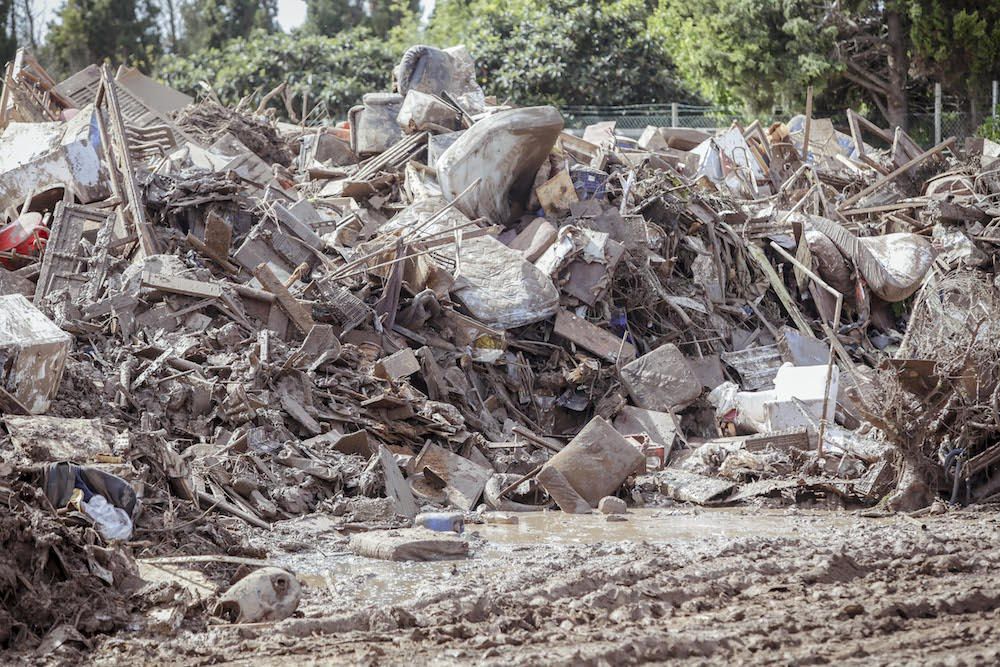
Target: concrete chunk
[661,380]
[535,239]
[464,480]
[562,492]
[691,487]
[33,351]
[612,505]
[592,338]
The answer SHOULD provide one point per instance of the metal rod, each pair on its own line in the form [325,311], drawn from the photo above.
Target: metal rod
[937,113]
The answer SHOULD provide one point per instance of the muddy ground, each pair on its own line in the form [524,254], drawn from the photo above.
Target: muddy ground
[678,584]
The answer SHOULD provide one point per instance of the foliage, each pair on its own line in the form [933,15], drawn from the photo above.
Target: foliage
[957,42]
[758,53]
[95,31]
[329,17]
[562,51]
[209,24]
[990,129]
[336,70]
[565,52]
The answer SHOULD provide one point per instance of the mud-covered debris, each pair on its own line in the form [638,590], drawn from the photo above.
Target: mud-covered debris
[267,594]
[419,544]
[612,505]
[450,304]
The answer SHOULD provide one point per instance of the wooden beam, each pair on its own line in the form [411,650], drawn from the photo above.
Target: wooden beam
[136,205]
[879,183]
[297,313]
[805,132]
[593,338]
[779,288]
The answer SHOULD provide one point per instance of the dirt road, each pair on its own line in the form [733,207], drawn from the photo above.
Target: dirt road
[736,586]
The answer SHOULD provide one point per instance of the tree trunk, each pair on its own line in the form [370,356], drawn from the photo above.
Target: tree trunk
[172,24]
[897,104]
[29,12]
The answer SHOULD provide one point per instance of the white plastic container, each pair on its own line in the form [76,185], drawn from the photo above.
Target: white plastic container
[808,385]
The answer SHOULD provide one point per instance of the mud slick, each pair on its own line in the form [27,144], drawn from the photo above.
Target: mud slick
[450,383]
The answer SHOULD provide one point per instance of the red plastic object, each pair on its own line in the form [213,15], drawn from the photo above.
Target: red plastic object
[26,235]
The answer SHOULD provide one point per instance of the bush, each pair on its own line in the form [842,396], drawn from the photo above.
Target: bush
[336,70]
[561,52]
[990,129]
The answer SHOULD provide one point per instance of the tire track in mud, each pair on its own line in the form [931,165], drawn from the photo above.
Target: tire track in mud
[892,593]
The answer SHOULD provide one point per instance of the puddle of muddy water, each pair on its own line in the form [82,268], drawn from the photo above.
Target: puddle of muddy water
[350,582]
[646,525]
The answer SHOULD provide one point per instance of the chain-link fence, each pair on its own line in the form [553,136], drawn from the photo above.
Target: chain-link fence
[638,116]
[632,119]
[953,124]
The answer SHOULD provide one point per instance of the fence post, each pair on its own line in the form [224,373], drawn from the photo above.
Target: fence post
[675,117]
[995,90]
[937,113]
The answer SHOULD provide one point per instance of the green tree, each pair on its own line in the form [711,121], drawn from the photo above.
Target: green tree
[957,43]
[755,53]
[761,53]
[329,17]
[562,51]
[209,24]
[94,31]
[336,71]
[873,47]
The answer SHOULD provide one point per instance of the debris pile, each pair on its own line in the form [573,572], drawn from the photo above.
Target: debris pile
[451,303]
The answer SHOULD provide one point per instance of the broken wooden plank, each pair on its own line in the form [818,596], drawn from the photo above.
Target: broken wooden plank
[781,440]
[120,162]
[62,261]
[297,313]
[218,234]
[397,366]
[396,488]
[593,338]
[557,194]
[880,182]
[178,285]
[779,288]
[297,411]
[886,208]
[221,504]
